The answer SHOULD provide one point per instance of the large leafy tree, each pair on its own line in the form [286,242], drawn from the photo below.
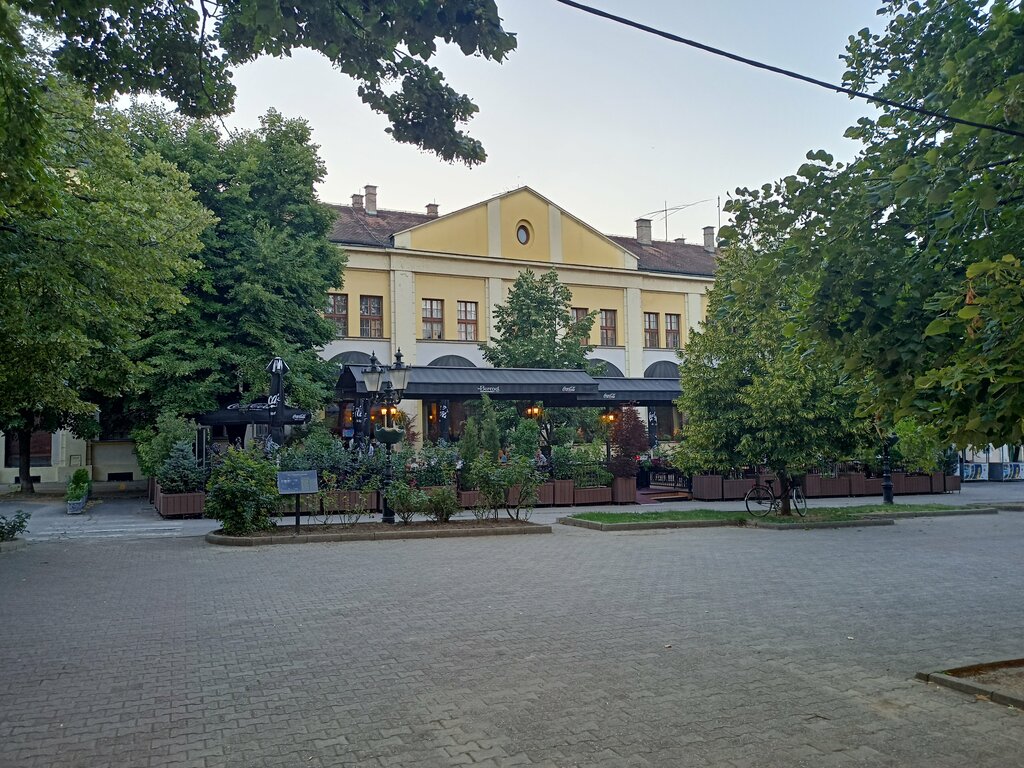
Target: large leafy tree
[185,51]
[266,268]
[536,328]
[906,262]
[752,397]
[80,277]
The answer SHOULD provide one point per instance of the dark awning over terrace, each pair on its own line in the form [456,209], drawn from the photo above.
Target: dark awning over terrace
[640,391]
[552,387]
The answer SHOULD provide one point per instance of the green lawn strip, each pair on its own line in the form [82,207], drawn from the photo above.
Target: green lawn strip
[814,514]
[612,518]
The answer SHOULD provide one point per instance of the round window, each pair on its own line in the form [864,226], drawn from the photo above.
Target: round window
[523,234]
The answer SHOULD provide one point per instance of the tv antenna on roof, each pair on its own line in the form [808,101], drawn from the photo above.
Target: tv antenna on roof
[666,211]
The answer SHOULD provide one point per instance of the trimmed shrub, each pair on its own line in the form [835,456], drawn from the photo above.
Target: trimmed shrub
[10,527]
[406,501]
[242,493]
[153,445]
[442,504]
[524,440]
[179,473]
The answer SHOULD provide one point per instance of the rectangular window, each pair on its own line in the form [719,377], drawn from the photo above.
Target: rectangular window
[39,449]
[433,319]
[371,317]
[579,313]
[337,311]
[672,331]
[608,337]
[651,330]
[467,320]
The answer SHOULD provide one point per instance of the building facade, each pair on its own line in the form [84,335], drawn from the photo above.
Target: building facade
[429,284]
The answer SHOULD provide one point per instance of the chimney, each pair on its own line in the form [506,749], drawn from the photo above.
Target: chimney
[709,239]
[357,202]
[432,210]
[681,240]
[371,199]
[643,231]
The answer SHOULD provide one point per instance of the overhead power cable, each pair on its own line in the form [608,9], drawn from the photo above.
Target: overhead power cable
[786,72]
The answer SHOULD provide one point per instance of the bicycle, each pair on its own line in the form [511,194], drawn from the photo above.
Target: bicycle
[762,500]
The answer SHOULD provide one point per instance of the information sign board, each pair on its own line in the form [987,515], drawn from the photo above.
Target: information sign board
[294,483]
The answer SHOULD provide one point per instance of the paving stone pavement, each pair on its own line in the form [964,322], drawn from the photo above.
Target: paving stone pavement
[786,649]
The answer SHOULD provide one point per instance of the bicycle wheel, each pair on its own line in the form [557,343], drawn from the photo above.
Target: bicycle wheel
[799,501]
[759,500]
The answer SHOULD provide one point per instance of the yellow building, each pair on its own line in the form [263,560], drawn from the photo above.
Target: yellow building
[429,284]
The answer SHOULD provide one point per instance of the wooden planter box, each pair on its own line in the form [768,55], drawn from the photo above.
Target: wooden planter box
[546,494]
[564,493]
[179,504]
[952,483]
[812,486]
[917,484]
[938,482]
[600,495]
[872,486]
[834,486]
[856,483]
[345,501]
[469,499]
[624,490]
[707,487]
[736,489]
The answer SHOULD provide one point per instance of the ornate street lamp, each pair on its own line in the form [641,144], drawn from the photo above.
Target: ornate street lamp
[608,419]
[887,442]
[386,384]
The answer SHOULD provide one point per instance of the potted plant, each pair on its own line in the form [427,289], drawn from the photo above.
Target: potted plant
[77,494]
[591,482]
[562,475]
[629,440]
[180,483]
[153,444]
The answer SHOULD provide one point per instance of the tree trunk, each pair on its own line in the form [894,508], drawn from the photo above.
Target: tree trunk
[785,489]
[25,459]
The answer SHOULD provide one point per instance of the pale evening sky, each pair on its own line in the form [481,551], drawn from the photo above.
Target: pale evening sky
[606,121]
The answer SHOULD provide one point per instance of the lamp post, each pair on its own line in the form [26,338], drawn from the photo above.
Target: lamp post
[887,443]
[385,384]
[608,419]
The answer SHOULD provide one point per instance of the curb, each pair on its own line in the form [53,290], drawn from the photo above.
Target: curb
[964,686]
[215,537]
[934,513]
[867,522]
[13,546]
[646,526]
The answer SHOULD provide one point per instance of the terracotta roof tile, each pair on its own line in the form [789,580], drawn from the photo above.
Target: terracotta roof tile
[665,256]
[354,226]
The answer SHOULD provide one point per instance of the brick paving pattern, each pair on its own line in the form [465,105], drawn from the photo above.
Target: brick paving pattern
[787,649]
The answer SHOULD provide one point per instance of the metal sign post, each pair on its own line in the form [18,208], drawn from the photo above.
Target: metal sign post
[296,484]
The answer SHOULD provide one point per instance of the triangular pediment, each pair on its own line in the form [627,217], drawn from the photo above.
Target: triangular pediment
[520,225]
